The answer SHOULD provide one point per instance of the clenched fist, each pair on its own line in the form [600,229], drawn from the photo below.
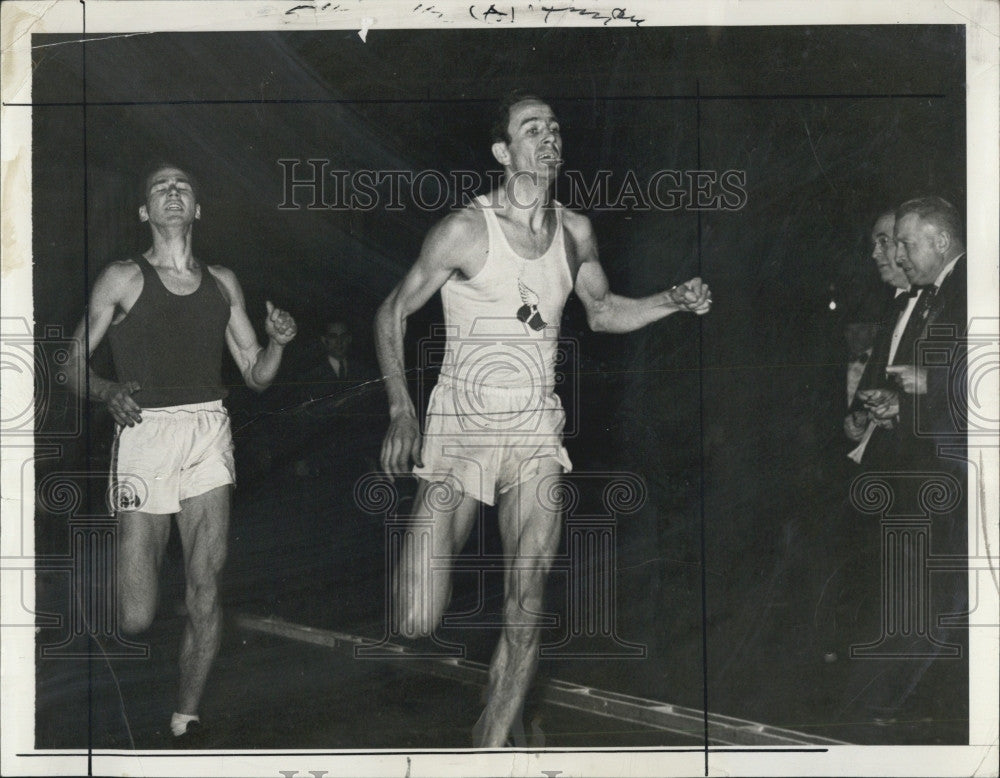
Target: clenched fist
[279,325]
[693,296]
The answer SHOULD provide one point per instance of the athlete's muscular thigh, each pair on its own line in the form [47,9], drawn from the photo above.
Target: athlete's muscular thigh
[529,527]
[422,587]
[204,528]
[451,516]
[142,541]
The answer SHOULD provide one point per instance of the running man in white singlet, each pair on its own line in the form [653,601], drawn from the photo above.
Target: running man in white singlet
[505,266]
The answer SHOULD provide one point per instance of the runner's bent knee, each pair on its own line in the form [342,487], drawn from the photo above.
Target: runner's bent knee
[135,616]
[202,600]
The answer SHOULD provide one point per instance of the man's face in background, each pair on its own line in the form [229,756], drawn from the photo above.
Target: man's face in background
[884,252]
[336,339]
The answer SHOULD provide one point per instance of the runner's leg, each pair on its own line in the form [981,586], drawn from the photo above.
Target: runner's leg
[204,526]
[142,540]
[421,594]
[530,535]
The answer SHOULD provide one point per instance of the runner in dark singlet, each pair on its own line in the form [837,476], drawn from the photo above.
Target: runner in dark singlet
[167,316]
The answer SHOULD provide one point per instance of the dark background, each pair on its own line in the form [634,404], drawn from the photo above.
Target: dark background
[733,420]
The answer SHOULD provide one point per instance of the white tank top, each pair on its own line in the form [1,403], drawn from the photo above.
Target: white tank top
[502,324]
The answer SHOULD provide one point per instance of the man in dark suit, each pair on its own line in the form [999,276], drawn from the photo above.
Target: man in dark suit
[915,440]
[912,406]
[865,351]
[337,370]
[335,408]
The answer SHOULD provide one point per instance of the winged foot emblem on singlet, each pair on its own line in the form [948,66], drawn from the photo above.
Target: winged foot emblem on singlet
[528,312]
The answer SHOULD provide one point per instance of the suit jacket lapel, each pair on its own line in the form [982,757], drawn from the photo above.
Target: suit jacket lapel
[929,307]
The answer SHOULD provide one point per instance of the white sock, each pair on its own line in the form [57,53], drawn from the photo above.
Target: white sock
[179,723]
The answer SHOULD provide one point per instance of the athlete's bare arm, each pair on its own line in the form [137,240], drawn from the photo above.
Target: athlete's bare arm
[458,243]
[257,365]
[609,312]
[116,288]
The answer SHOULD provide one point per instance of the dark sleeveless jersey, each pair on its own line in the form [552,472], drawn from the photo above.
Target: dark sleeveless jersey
[171,344]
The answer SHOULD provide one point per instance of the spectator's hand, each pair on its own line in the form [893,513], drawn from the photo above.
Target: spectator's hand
[693,296]
[124,409]
[911,379]
[882,404]
[279,325]
[870,396]
[855,425]
[401,446]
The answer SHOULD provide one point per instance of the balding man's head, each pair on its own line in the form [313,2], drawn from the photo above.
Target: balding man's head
[929,235]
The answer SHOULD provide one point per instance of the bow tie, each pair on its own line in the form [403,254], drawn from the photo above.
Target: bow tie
[917,289]
[903,298]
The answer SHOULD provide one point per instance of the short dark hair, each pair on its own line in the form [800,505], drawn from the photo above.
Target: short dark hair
[938,211]
[882,214]
[500,129]
[157,165]
[335,320]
